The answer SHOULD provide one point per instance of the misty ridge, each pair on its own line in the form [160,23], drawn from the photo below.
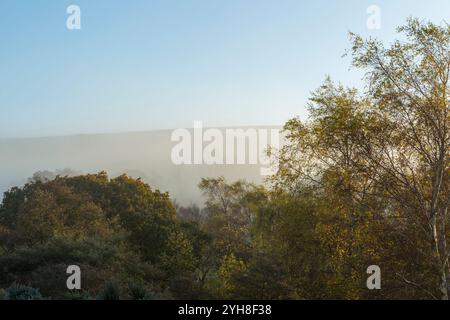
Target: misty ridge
[145,155]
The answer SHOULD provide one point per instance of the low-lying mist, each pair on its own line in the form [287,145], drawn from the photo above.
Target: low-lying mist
[145,155]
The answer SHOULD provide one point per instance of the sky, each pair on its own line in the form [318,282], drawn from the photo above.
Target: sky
[140,65]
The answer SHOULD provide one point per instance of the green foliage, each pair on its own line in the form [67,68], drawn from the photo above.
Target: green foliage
[113,229]
[137,291]
[110,292]
[22,292]
[230,268]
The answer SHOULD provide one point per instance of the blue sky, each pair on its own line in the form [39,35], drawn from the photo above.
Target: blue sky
[161,64]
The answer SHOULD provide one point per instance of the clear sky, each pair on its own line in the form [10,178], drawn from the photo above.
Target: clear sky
[161,64]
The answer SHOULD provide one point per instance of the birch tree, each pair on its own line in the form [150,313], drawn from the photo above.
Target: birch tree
[386,150]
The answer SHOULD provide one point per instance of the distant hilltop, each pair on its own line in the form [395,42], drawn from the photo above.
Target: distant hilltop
[147,155]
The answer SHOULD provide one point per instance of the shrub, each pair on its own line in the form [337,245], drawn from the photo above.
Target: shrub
[110,292]
[22,292]
[137,291]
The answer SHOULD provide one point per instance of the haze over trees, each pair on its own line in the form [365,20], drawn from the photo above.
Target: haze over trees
[365,181]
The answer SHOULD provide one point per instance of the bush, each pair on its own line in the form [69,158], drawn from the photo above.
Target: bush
[137,291]
[110,292]
[22,292]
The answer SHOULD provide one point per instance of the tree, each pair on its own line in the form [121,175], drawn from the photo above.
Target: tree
[410,156]
[383,157]
[230,209]
[117,229]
